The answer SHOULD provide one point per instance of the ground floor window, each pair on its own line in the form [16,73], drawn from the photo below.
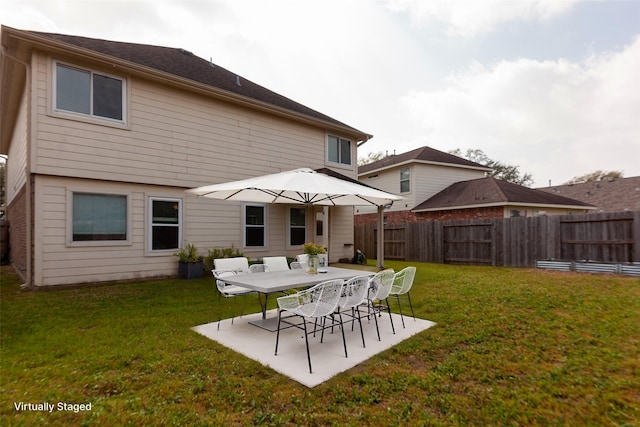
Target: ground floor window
[166,223]
[255,228]
[297,226]
[99,217]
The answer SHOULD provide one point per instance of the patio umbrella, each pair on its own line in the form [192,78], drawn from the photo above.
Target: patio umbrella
[299,186]
[302,186]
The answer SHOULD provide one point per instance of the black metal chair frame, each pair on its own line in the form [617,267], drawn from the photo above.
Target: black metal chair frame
[303,325]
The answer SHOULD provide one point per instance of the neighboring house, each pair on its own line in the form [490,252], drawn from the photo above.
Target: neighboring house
[608,195]
[416,175]
[103,138]
[493,198]
[441,186]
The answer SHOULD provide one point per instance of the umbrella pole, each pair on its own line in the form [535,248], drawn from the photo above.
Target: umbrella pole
[380,248]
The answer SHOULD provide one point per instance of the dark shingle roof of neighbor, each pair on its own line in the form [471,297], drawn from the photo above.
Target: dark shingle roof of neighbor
[183,63]
[609,195]
[422,154]
[489,190]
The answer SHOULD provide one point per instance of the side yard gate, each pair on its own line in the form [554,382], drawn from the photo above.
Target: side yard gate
[514,242]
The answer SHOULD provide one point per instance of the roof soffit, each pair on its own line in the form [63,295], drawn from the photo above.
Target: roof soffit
[421,162]
[14,60]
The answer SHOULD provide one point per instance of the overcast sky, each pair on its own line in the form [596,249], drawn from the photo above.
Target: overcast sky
[551,86]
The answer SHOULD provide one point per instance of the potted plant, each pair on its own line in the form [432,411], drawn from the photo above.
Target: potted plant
[190,264]
[313,250]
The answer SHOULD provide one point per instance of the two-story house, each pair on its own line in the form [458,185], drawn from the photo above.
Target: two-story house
[442,186]
[416,175]
[103,138]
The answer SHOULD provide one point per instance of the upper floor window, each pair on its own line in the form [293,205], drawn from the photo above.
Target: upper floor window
[339,150]
[405,180]
[89,93]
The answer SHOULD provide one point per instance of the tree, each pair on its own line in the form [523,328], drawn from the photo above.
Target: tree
[499,170]
[370,158]
[595,176]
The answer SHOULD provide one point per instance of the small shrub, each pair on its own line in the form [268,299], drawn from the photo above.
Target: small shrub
[188,254]
[216,253]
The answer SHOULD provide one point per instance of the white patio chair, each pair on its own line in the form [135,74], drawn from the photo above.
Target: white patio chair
[295,265]
[258,268]
[319,303]
[237,264]
[402,283]
[303,258]
[353,295]
[228,291]
[379,289]
[276,263]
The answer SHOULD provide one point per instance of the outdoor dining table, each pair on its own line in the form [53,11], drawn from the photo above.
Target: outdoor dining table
[279,281]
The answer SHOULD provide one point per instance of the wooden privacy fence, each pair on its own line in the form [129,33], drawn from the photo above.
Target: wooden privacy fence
[514,242]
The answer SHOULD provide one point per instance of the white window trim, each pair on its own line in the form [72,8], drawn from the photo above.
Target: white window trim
[339,164]
[243,224]
[89,118]
[289,226]
[69,220]
[149,225]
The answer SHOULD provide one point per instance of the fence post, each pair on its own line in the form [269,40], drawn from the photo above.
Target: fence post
[636,237]
[380,248]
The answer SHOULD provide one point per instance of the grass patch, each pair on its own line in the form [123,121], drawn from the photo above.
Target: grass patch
[511,347]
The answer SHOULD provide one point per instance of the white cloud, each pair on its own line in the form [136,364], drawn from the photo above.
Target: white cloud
[467,18]
[556,119]
[355,59]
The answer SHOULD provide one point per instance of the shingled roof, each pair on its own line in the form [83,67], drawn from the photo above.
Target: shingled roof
[421,155]
[185,64]
[493,192]
[609,195]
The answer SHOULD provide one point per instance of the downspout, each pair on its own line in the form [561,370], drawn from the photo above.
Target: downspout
[28,216]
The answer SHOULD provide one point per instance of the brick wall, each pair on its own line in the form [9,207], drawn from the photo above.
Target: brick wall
[454,214]
[17,214]
[403,217]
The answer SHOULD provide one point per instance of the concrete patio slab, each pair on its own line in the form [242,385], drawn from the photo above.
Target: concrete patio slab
[327,358]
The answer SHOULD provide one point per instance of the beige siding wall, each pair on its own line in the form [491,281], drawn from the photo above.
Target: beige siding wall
[57,261]
[206,223]
[173,140]
[341,233]
[431,179]
[16,168]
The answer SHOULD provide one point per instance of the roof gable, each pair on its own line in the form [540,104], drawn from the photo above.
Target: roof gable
[419,155]
[491,191]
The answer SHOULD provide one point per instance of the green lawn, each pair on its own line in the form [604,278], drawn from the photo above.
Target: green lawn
[511,347]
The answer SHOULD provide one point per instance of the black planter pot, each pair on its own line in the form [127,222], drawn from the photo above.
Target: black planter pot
[190,270]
